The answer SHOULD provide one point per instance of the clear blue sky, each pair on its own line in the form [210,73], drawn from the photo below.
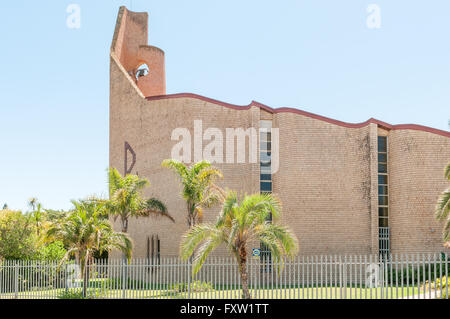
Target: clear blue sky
[318,56]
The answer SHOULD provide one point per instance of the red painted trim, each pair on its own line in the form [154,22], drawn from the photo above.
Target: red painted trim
[304,113]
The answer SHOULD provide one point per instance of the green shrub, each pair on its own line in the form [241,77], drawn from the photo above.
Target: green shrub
[17,237]
[52,251]
[195,286]
[129,284]
[92,293]
[442,284]
[422,271]
[72,294]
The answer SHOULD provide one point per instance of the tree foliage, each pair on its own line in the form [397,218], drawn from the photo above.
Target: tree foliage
[443,209]
[86,231]
[52,251]
[17,237]
[198,186]
[238,224]
[126,199]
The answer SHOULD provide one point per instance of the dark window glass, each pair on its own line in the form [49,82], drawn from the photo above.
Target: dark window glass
[382,158]
[382,190]
[382,168]
[264,249]
[265,136]
[383,211]
[265,165]
[382,200]
[265,257]
[266,186]
[266,177]
[382,144]
[382,179]
[383,222]
[159,248]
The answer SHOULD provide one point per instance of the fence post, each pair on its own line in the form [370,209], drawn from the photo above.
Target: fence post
[66,279]
[341,277]
[188,262]
[345,276]
[124,279]
[2,265]
[16,279]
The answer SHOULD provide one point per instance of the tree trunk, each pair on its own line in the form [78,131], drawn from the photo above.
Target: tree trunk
[191,223]
[244,280]
[85,281]
[243,272]
[190,215]
[124,256]
[124,225]
[83,265]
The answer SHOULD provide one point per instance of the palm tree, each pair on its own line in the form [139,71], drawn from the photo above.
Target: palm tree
[238,224]
[199,190]
[84,231]
[38,218]
[32,202]
[443,209]
[37,215]
[126,200]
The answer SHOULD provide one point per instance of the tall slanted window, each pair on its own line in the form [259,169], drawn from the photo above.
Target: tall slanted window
[265,177]
[153,251]
[383,196]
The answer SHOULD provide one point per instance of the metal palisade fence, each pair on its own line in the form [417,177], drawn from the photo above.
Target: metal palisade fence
[417,276]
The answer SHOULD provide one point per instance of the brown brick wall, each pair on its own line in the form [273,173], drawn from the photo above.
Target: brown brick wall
[324,184]
[416,178]
[327,179]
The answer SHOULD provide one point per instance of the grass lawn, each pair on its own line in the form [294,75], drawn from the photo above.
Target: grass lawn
[288,293]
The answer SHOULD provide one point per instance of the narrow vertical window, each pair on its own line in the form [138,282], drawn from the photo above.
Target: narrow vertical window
[383,196]
[265,179]
[153,251]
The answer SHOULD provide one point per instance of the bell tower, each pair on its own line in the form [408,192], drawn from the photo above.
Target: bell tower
[144,63]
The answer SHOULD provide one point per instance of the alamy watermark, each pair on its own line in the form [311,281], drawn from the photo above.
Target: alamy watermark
[373,20]
[231,145]
[73,276]
[374,274]
[73,20]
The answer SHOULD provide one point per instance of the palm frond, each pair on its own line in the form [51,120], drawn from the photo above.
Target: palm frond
[207,175]
[214,240]
[261,206]
[443,205]
[175,165]
[155,207]
[193,237]
[282,234]
[115,180]
[85,230]
[229,205]
[198,188]
[199,166]
[236,225]
[442,212]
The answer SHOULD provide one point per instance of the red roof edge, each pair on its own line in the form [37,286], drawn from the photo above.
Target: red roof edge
[304,113]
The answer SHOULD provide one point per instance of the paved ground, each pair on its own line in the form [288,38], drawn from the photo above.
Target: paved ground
[427,295]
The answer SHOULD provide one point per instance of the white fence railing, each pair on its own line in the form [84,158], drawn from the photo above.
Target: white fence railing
[418,276]
[384,240]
